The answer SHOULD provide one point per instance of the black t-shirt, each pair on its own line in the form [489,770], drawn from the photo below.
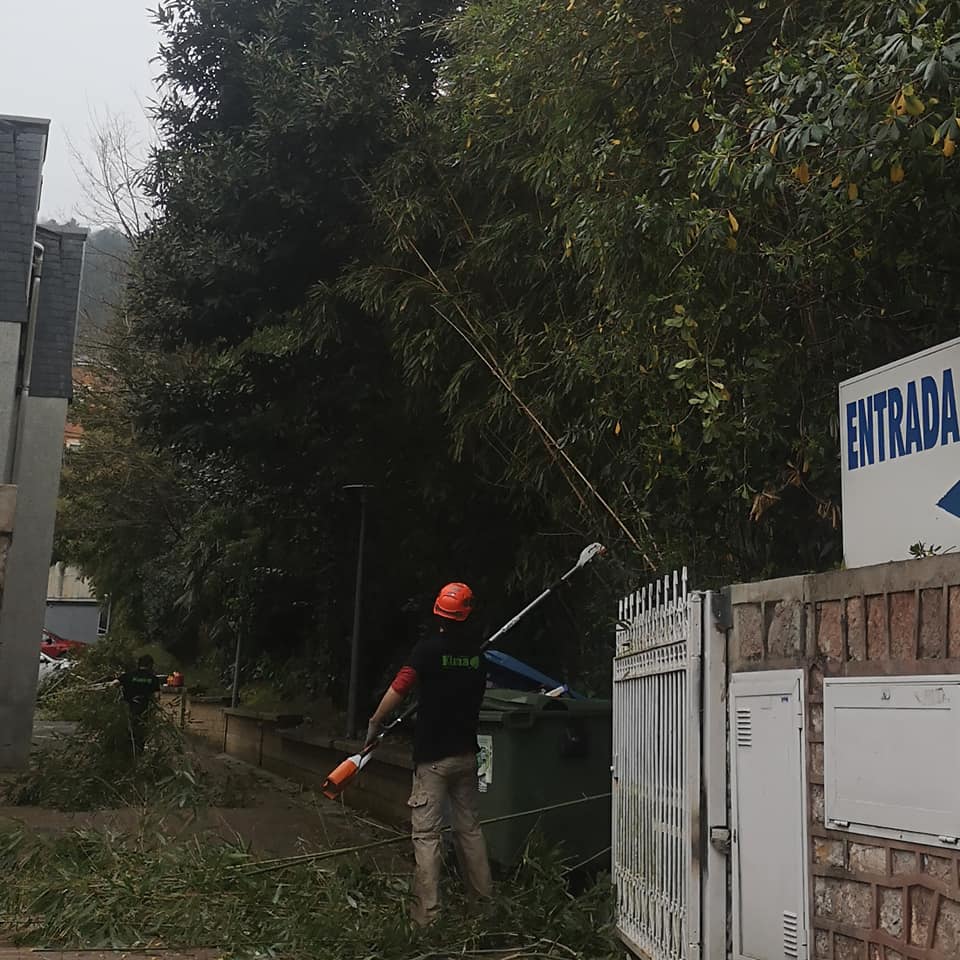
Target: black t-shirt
[452,677]
[138,687]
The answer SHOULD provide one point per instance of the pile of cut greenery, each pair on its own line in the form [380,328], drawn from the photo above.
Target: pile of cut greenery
[95,766]
[96,889]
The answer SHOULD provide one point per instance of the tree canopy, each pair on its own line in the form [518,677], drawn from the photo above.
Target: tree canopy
[543,273]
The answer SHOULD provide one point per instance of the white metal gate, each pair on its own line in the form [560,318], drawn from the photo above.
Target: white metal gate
[660,857]
[655,787]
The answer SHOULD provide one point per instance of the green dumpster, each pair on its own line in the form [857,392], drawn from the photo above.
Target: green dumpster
[537,751]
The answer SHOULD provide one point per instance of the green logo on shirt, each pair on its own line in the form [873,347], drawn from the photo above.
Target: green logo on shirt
[471,663]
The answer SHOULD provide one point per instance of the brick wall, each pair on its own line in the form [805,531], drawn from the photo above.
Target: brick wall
[22,148]
[872,899]
[305,756]
[204,719]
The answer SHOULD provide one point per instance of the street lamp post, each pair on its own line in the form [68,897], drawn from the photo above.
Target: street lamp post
[353,689]
[235,686]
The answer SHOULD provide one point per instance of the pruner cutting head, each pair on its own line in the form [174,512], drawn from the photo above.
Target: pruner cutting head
[588,553]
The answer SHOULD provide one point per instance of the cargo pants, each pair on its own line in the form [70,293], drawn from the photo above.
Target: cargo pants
[452,780]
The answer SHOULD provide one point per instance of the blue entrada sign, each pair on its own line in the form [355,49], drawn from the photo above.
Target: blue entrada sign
[900,457]
[899,422]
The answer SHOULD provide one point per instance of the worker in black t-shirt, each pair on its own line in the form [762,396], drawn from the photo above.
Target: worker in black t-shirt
[138,687]
[449,674]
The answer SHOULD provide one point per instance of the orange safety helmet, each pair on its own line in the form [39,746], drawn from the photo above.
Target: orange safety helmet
[454,602]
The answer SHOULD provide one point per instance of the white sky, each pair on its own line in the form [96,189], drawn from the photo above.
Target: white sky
[66,60]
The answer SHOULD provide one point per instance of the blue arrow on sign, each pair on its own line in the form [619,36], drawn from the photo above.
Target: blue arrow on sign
[950,501]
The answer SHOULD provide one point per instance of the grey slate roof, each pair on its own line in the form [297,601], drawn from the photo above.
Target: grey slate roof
[23,144]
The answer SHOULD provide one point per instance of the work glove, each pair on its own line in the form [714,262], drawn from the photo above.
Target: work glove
[373,731]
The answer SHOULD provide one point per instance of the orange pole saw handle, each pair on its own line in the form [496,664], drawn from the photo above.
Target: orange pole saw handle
[338,778]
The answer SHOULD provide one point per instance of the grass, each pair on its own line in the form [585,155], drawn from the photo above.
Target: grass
[96,767]
[96,889]
[147,889]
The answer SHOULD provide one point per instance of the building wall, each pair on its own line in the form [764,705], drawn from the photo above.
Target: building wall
[28,564]
[35,467]
[22,149]
[67,583]
[73,619]
[872,899]
[52,373]
[23,144]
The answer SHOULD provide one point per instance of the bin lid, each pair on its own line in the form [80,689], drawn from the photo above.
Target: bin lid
[497,702]
[503,663]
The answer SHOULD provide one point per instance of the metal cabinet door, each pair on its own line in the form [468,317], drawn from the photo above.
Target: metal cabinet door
[768,800]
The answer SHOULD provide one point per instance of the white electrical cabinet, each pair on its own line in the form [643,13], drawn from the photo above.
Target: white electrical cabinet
[892,757]
[768,806]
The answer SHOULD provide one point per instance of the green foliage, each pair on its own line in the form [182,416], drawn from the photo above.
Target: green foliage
[208,496]
[627,254]
[677,229]
[123,505]
[106,890]
[921,549]
[95,767]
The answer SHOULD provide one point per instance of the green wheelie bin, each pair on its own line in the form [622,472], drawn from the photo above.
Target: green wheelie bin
[538,751]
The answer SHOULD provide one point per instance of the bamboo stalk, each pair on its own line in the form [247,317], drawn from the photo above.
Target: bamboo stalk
[267,866]
[473,337]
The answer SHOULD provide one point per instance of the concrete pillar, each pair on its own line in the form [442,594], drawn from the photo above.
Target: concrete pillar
[28,563]
[36,471]
[8,507]
[9,359]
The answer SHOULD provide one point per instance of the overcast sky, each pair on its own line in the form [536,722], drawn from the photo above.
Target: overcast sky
[67,59]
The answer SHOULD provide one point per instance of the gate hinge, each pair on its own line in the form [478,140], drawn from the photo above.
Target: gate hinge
[840,824]
[720,839]
[950,840]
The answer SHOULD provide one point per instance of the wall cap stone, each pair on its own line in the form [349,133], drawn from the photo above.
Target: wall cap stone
[287,719]
[903,575]
[783,588]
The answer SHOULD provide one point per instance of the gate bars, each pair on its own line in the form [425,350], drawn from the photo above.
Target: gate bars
[658,837]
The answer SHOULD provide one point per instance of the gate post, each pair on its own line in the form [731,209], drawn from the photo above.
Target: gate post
[716,829]
[693,786]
